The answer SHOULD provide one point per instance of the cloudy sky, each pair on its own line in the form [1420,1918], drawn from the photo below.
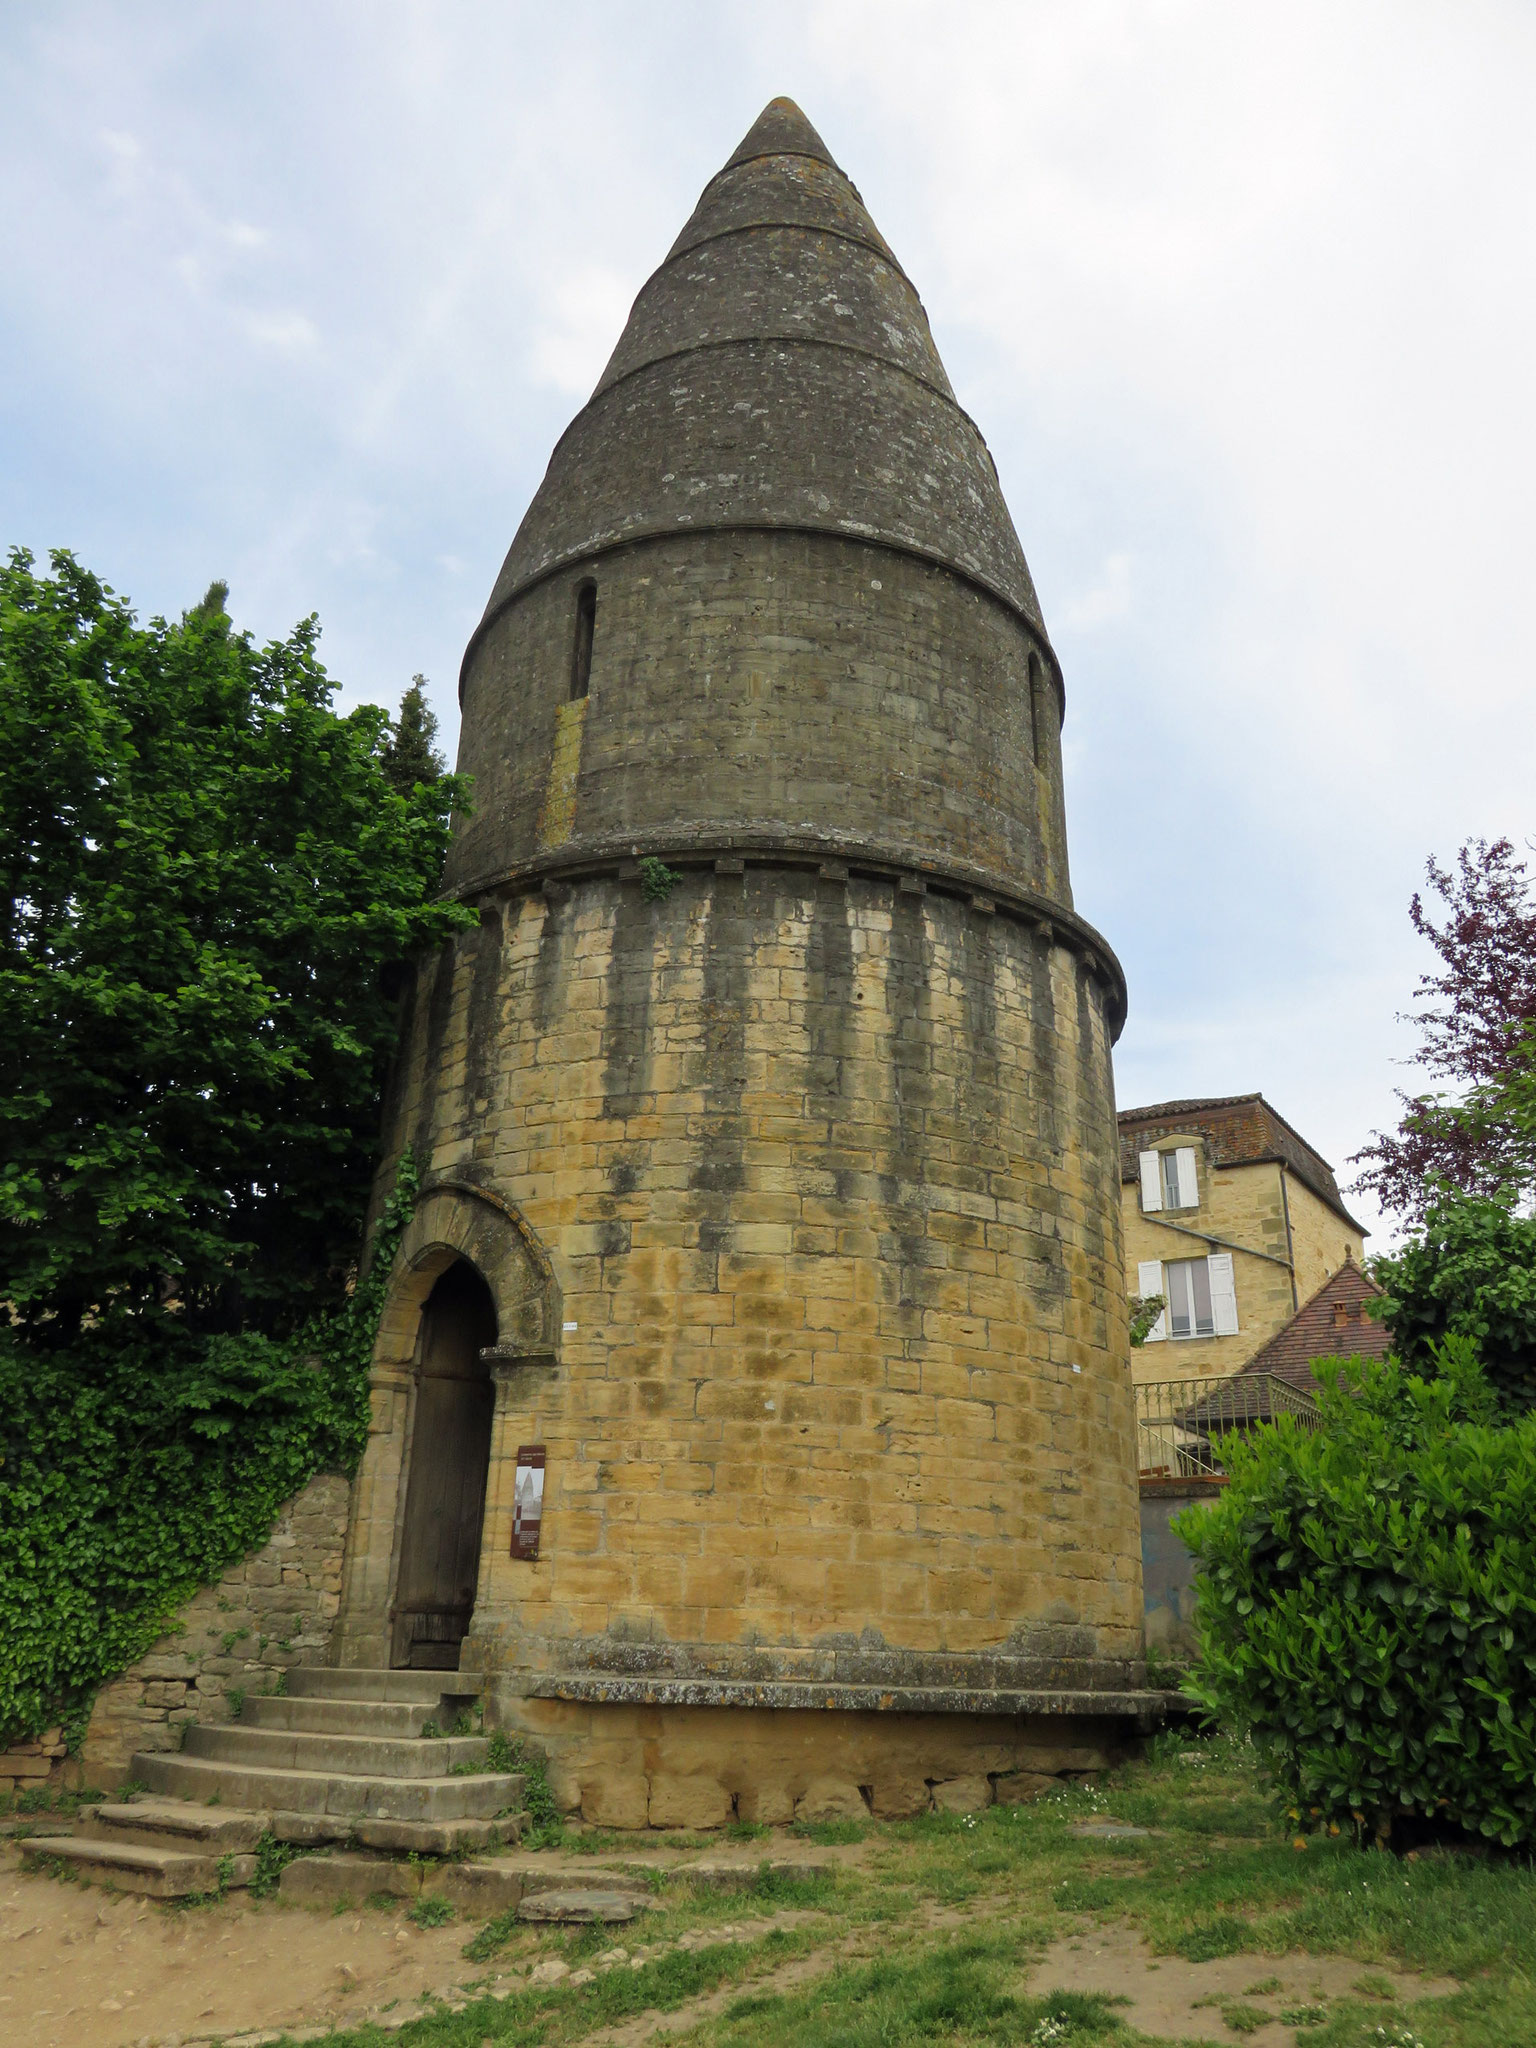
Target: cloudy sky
[1242,296]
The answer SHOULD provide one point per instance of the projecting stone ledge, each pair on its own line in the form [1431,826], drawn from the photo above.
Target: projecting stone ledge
[602,1689]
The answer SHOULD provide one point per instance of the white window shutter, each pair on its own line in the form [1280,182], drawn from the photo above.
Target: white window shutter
[1189,1191]
[1223,1294]
[1149,1281]
[1151,1186]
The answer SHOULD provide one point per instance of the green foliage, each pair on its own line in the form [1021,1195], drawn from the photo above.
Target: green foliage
[830,1834]
[410,757]
[494,1935]
[545,1820]
[432,1911]
[657,880]
[131,1473]
[206,872]
[272,1859]
[1145,1310]
[1471,1273]
[1367,1604]
[1244,2019]
[963,1990]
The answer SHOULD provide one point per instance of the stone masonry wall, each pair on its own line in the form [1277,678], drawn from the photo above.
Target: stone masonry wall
[274,1608]
[825,1170]
[788,686]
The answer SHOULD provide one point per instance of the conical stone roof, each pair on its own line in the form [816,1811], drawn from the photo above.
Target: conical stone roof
[777,371]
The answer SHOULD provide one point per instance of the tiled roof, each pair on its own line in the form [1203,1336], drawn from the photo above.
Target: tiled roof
[1333,1324]
[1241,1130]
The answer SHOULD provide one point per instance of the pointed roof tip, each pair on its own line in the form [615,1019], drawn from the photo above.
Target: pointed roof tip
[781,130]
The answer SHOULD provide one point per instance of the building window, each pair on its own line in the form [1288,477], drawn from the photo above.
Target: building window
[1200,1294]
[1168,1180]
[1189,1298]
[581,651]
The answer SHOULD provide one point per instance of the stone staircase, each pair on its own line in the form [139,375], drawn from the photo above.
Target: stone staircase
[159,1847]
[340,1756]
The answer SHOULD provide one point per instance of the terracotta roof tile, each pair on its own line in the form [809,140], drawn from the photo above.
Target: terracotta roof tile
[1333,1324]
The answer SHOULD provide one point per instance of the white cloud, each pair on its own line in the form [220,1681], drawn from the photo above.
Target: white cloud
[288,332]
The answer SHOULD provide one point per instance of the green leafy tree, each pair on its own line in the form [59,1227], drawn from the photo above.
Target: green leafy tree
[1367,1602]
[410,755]
[208,868]
[1469,1272]
[1477,1031]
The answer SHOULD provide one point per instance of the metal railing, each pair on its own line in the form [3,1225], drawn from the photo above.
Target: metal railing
[1177,1420]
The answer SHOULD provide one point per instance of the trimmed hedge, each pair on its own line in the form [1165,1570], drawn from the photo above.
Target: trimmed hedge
[1367,1604]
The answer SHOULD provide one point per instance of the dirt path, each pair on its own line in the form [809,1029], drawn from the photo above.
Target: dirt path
[85,1968]
[1174,1998]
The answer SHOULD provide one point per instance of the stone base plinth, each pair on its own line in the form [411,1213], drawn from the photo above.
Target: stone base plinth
[647,1753]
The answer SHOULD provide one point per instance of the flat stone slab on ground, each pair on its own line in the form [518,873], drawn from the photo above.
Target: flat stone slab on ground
[1107,1830]
[578,1907]
[350,1880]
[479,1889]
[543,1874]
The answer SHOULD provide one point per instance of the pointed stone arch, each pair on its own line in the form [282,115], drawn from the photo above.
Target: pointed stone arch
[454,1218]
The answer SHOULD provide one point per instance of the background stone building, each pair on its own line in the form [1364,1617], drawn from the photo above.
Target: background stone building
[1234,1218]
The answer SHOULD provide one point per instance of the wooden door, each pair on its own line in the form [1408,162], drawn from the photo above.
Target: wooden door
[445,1494]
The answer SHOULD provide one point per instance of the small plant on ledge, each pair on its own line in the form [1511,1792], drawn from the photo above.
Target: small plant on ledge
[657,880]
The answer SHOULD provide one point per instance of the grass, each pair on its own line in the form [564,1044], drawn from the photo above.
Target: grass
[929,1937]
[45,1800]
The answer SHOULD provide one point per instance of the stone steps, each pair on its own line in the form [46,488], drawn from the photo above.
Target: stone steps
[161,1848]
[167,1823]
[340,1796]
[345,1717]
[341,1748]
[160,1873]
[370,1756]
[433,1837]
[340,1756]
[434,1688]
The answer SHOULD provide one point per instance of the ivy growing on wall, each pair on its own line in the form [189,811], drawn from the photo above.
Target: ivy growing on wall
[130,1476]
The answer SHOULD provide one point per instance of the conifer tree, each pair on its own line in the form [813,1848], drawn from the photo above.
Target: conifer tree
[411,757]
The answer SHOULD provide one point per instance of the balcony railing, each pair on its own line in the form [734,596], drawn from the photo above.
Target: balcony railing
[1178,1420]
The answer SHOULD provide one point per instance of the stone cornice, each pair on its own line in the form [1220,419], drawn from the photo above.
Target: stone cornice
[768,843]
[1146,1708]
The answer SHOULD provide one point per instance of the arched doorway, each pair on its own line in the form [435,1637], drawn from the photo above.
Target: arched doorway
[445,1491]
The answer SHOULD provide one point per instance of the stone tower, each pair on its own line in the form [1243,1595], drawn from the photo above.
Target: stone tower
[769,1214]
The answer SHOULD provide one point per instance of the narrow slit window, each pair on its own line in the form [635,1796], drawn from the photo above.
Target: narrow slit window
[581,651]
[1035,680]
